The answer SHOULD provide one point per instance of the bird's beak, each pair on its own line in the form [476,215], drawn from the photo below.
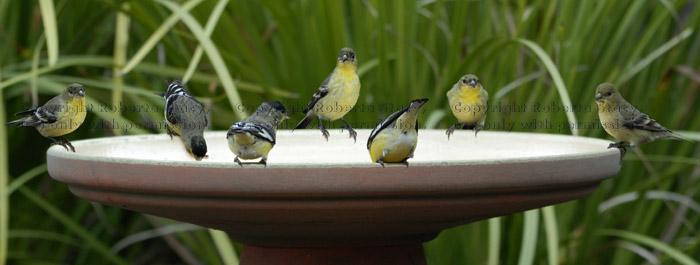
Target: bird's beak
[598,97]
[345,57]
[472,83]
[81,93]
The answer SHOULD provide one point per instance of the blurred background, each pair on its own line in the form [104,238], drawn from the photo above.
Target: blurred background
[235,54]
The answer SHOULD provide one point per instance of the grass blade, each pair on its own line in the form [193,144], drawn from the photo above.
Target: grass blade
[223,244]
[529,243]
[121,42]
[556,77]
[673,253]
[156,36]
[494,240]
[654,55]
[550,227]
[209,28]
[24,178]
[72,226]
[214,57]
[48,16]
[4,178]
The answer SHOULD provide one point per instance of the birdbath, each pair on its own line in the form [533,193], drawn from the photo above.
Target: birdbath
[324,202]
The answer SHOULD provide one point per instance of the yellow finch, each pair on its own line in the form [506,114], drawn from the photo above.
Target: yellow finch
[623,121]
[395,139]
[336,96]
[254,136]
[60,115]
[185,117]
[468,101]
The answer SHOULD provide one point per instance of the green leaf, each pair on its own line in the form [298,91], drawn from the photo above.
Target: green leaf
[673,253]
[73,226]
[214,57]
[48,16]
[156,36]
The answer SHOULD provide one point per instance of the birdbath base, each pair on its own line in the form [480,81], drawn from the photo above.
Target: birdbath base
[389,255]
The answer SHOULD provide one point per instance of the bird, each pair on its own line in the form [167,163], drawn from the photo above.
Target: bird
[336,96]
[185,117]
[394,139]
[468,101]
[254,136]
[59,116]
[624,122]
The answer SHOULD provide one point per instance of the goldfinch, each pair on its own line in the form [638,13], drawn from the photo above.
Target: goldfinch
[185,117]
[623,121]
[60,115]
[336,96]
[468,102]
[254,136]
[394,139]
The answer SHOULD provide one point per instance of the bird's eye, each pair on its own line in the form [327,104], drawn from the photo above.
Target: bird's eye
[464,81]
[609,94]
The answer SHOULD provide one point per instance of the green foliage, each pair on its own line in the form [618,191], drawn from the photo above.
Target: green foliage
[526,53]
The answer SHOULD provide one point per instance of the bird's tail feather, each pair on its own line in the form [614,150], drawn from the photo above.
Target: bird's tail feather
[673,135]
[16,122]
[305,122]
[26,112]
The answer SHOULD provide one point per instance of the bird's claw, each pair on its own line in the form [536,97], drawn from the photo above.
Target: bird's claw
[238,161]
[325,134]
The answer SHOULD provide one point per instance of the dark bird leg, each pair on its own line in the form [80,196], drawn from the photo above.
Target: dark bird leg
[405,162]
[477,129]
[452,129]
[167,129]
[264,162]
[238,161]
[323,130]
[62,141]
[379,159]
[353,133]
[620,146]
[67,143]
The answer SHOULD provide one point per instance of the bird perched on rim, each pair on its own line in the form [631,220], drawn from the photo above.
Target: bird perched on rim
[59,116]
[336,96]
[185,117]
[468,101]
[395,139]
[623,121]
[254,136]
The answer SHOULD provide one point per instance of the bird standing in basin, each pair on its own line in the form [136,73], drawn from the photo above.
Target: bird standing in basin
[254,136]
[394,139]
[468,101]
[185,117]
[623,121]
[60,115]
[336,96]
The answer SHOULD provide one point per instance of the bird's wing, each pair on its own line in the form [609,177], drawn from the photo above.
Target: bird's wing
[320,93]
[386,123]
[263,131]
[643,122]
[48,113]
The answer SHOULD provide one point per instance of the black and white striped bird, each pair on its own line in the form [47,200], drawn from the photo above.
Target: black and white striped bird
[185,117]
[254,136]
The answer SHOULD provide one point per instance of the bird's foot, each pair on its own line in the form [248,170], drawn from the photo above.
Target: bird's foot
[264,162]
[324,132]
[451,130]
[238,161]
[379,160]
[477,130]
[353,134]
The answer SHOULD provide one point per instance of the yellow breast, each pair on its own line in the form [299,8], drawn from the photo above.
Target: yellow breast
[468,105]
[343,92]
